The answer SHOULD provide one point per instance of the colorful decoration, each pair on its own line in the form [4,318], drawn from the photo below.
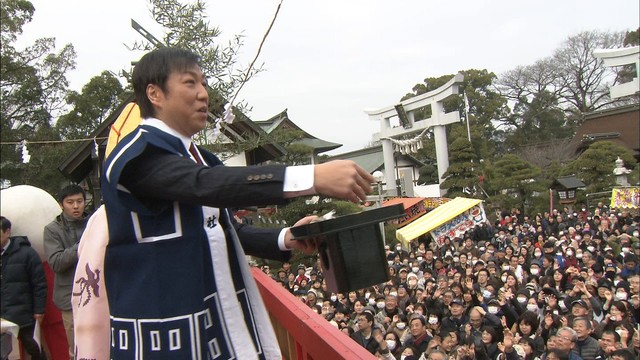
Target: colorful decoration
[625,198]
[460,224]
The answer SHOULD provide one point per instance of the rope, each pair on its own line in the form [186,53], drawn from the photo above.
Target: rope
[51,141]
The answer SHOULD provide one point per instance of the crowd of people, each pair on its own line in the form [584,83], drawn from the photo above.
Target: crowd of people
[561,286]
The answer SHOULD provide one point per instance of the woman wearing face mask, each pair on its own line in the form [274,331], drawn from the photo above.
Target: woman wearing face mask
[618,315]
[433,324]
[570,257]
[510,281]
[519,302]
[622,291]
[393,344]
[401,329]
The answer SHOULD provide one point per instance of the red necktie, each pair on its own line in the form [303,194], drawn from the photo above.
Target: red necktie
[194,153]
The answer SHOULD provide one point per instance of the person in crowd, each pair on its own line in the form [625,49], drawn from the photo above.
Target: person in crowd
[391,309]
[490,341]
[364,335]
[527,328]
[479,318]
[61,239]
[419,336]
[586,347]
[23,289]
[564,341]
[457,319]
[609,342]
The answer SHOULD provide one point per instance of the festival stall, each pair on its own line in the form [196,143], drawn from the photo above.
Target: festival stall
[451,219]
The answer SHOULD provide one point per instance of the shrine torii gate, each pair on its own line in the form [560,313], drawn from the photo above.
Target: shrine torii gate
[438,120]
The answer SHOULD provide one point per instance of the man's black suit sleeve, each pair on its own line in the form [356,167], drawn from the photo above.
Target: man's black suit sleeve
[156,177]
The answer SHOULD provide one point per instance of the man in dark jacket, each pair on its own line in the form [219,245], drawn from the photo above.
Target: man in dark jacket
[364,335]
[24,287]
[586,347]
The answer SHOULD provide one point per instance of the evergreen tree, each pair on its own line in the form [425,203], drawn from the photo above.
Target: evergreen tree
[595,166]
[461,177]
[515,182]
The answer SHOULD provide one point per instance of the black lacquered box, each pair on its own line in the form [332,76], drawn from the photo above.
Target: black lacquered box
[351,248]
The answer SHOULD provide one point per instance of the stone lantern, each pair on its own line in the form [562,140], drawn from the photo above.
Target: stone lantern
[621,173]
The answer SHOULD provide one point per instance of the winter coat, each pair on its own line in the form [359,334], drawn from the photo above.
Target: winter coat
[23,285]
[61,238]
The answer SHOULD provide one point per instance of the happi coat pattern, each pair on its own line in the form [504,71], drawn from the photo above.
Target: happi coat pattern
[176,275]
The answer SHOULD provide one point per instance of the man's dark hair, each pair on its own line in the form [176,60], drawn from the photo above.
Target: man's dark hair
[420,318]
[549,258]
[624,353]
[616,336]
[154,68]
[5,224]
[368,315]
[484,270]
[69,190]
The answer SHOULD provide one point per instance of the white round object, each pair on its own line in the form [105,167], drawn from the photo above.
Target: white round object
[29,209]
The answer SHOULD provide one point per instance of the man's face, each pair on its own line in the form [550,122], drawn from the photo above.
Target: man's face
[634,284]
[448,343]
[73,206]
[475,319]
[482,278]
[416,328]
[4,237]
[578,311]
[183,105]
[456,309]
[363,323]
[563,341]
[581,328]
[607,341]
[390,302]
[513,262]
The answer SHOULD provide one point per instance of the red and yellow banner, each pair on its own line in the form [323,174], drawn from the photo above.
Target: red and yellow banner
[625,198]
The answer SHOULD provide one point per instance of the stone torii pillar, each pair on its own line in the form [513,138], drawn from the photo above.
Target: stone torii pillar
[620,57]
[438,120]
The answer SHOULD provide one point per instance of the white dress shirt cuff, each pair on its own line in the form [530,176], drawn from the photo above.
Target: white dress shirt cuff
[281,244]
[298,181]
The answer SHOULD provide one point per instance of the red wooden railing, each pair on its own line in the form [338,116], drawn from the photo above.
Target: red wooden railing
[302,333]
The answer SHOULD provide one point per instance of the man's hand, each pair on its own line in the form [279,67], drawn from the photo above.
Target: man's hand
[307,246]
[38,317]
[342,179]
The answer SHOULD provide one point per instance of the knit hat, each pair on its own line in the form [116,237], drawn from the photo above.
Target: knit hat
[623,285]
[605,283]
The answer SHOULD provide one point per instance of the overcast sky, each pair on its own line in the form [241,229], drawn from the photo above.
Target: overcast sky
[327,61]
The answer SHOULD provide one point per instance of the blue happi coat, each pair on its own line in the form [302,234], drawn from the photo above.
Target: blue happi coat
[176,277]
